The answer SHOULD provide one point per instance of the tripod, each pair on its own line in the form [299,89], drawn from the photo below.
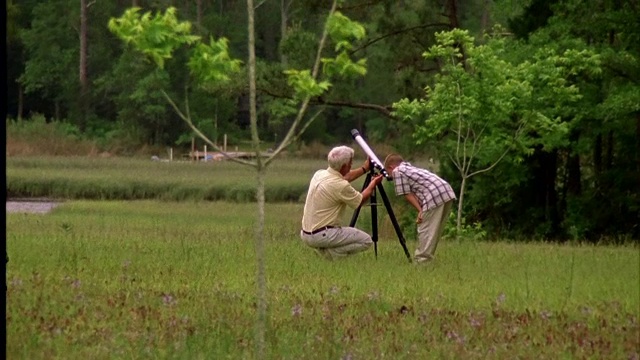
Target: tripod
[374,215]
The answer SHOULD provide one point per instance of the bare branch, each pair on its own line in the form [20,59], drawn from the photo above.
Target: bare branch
[492,165]
[397,32]
[197,131]
[383,109]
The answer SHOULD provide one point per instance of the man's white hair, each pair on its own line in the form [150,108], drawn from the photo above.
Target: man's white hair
[338,156]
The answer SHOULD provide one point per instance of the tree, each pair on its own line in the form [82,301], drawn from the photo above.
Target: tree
[483,108]
[158,36]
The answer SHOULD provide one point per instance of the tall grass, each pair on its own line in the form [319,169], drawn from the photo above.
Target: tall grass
[135,178]
[175,280]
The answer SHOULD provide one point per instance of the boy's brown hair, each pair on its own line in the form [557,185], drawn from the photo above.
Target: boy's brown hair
[392,159]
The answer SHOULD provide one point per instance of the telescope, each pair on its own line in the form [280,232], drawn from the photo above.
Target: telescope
[372,156]
[376,164]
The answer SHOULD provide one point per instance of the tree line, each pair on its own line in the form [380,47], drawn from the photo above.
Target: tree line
[532,108]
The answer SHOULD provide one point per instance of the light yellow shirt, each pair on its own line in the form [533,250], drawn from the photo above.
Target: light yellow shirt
[328,196]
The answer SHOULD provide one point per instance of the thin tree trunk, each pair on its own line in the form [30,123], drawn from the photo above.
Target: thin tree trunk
[452,14]
[199,16]
[20,102]
[460,202]
[261,282]
[284,19]
[83,63]
[486,14]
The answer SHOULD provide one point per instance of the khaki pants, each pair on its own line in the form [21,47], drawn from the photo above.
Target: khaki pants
[430,230]
[338,242]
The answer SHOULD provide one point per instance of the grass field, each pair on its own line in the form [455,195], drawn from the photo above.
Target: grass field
[155,279]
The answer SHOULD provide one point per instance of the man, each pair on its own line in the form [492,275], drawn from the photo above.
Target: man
[330,192]
[430,195]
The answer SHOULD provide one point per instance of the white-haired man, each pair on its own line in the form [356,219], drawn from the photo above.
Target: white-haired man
[329,194]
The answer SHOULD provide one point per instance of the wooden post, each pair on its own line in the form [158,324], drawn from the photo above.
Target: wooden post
[205,153]
[224,147]
[193,148]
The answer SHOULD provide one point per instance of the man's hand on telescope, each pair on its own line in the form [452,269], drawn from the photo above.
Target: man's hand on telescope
[366,166]
[366,193]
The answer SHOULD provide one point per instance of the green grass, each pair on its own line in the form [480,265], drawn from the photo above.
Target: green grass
[134,178]
[176,280]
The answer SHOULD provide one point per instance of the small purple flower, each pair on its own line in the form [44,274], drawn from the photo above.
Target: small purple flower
[347,356]
[454,336]
[168,299]
[545,314]
[296,310]
[423,318]
[475,322]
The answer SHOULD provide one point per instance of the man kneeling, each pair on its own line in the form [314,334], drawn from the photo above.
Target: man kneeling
[330,192]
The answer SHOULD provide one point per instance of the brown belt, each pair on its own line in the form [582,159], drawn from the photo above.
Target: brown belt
[318,230]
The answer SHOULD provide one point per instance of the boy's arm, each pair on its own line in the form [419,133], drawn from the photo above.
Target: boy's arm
[413,200]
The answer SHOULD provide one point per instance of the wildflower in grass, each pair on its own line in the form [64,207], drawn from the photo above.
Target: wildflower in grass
[423,318]
[76,283]
[126,263]
[452,335]
[500,299]
[168,300]
[296,310]
[545,314]
[347,356]
[475,322]
[334,290]
[586,310]
[374,295]
[16,282]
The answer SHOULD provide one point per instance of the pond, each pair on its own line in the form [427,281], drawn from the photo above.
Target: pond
[30,206]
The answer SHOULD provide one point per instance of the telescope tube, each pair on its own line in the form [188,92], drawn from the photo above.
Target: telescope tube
[374,159]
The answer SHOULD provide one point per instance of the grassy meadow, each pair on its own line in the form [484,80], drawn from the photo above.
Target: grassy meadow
[172,274]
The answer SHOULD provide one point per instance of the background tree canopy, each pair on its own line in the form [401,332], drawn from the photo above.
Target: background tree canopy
[544,93]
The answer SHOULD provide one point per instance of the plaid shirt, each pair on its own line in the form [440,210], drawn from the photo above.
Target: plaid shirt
[430,189]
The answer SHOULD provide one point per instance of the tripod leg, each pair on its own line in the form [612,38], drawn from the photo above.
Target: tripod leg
[387,204]
[374,222]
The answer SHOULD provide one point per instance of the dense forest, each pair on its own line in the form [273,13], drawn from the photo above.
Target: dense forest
[531,107]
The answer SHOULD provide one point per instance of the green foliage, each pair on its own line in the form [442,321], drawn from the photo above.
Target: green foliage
[36,136]
[51,65]
[304,84]
[343,32]
[156,36]
[298,45]
[484,108]
[212,63]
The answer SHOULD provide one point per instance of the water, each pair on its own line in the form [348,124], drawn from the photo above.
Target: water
[31,206]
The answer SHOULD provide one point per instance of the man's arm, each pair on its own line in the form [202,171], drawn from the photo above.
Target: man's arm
[366,193]
[353,174]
